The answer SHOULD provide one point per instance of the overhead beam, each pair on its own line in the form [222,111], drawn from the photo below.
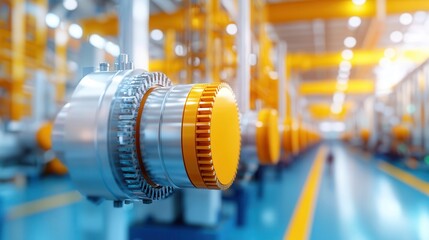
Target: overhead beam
[329,87]
[283,12]
[107,24]
[306,61]
[320,111]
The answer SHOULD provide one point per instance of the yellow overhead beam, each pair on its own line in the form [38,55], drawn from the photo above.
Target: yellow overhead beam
[108,24]
[320,111]
[306,61]
[329,87]
[292,11]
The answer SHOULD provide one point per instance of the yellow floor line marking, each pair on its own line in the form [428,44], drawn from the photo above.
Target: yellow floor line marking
[405,177]
[302,219]
[44,204]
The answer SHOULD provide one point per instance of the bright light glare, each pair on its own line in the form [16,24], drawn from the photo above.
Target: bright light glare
[97,41]
[336,108]
[345,66]
[342,86]
[75,31]
[156,35]
[332,126]
[253,59]
[61,37]
[339,97]
[390,53]
[396,36]
[355,22]
[347,54]
[112,49]
[180,50]
[420,17]
[359,2]
[52,20]
[70,4]
[350,42]
[231,29]
[343,75]
[406,19]
[384,62]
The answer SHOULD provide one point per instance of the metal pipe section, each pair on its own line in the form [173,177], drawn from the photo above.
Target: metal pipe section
[243,85]
[134,31]
[161,135]
[281,68]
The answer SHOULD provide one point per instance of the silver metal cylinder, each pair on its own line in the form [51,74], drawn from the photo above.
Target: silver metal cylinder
[161,136]
[80,135]
[248,156]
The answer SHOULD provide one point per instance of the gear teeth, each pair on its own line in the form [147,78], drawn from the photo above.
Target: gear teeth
[204,155]
[124,114]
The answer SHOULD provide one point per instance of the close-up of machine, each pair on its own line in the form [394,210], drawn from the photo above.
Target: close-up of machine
[132,135]
[214,119]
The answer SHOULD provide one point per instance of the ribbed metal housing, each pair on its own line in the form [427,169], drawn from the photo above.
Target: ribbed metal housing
[161,136]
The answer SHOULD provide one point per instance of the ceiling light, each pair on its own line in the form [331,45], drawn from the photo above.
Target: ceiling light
[342,81]
[112,49]
[336,108]
[384,62]
[75,31]
[70,4]
[343,75]
[61,37]
[231,29]
[339,97]
[420,17]
[97,41]
[354,22]
[345,66]
[359,2]
[52,20]
[180,50]
[350,42]
[406,19]
[341,87]
[390,53]
[396,36]
[156,35]
[347,54]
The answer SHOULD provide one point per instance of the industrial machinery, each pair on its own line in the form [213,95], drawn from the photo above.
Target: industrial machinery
[260,141]
[131,135]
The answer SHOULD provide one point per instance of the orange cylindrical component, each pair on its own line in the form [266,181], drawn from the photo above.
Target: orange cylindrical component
[401,132]
[43,136]
[55,166]
[268,137]
[287,138]
[365,135]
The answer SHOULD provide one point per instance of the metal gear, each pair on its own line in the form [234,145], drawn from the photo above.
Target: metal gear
[124,114]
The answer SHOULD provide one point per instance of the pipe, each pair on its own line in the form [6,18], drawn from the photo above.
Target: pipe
[134,31]
[281,60]
[243,42]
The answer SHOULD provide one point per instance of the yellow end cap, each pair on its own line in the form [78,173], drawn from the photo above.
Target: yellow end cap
[43,136]
[401,133]
[268,137]
[211,136]
[287,138]
[365,134]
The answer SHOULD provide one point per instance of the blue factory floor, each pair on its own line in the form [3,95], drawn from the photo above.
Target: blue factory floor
[359,196]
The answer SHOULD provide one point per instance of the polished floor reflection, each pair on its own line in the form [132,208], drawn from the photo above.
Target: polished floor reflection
[356,199]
